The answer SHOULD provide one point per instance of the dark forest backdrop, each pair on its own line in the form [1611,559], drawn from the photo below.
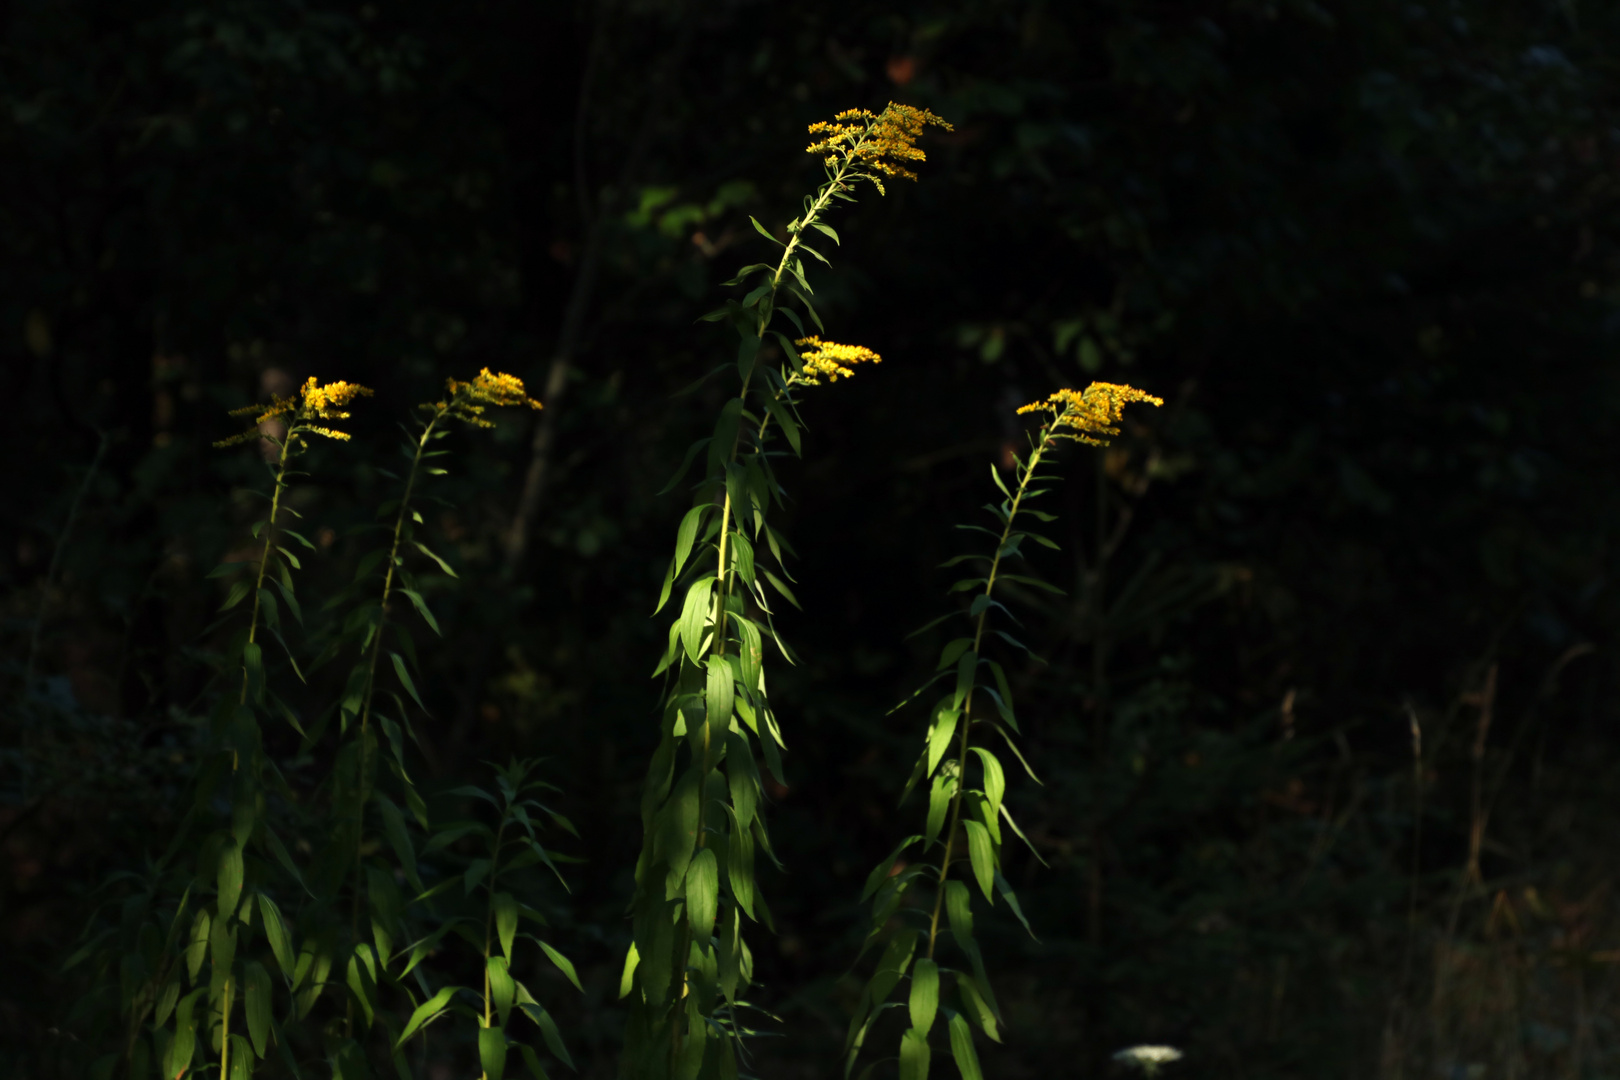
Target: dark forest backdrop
[1366,252]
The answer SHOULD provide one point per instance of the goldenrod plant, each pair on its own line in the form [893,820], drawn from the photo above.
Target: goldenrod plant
[689,966]
[918,905]
[197,955]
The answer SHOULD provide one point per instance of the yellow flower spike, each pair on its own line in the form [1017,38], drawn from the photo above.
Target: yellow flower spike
[319,403]
[878,141]
[1092,415]
[830,359]
[467,400]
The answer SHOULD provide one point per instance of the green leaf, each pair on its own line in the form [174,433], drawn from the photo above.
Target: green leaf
[1006,890]
[982,854]
[424,549]
[627,979]
[253,671]
[885,869]
[256,999]
[239,591]
[686,535]
[405,679]
[197,948]
[740,865]
[717,699]
[423,610]
[828,229]
[506,921]
[914,1056]
[776,582]
[924,995]
[959,906]
[995,781]
[686,463]
[702,893]
[939,805]
[230,878]
[896,959]
[965,668]
[474,874]
[362,982]
[784,419]
[695,614]
[1033,582]
[492,1052]
[548,1030]
[398,838]
[967,1059]
[502,988]
[982,1011]
[177,1061]
[939,734]
[425,1012]
[532,1060]
[751,652]
[564,965]
[763,231]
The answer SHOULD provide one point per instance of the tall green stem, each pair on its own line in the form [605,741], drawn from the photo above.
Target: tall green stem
[371,686]
[967,705]
[253,630]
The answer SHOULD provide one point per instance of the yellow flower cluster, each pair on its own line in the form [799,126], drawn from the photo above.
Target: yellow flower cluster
[1090,416]
[468,400]
[327,402]
[879,141]
[830,359]
[319,403]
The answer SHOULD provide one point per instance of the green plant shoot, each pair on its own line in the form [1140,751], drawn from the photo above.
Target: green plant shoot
[964,821]
[688,966]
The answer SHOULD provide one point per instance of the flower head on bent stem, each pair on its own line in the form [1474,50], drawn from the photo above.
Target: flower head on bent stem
[1091,415]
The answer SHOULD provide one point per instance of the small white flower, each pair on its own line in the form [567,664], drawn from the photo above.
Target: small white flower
[1148,1058]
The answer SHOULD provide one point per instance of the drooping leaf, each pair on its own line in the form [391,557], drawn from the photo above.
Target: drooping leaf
[425,1012]
[257,1004]
[702,893]
[502,988]
[694,615]
[564,965]
[924,1001]
[982,854]
[967,1059]
[492,1052]
[230,878]
[995,781]
[914,1055]
[506,920]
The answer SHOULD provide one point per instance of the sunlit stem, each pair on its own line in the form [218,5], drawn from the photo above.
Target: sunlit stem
[966,720]
[371,684]
[264,556]
[225,1033]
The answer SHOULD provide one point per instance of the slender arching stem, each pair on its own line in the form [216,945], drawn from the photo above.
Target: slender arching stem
[287,445]
[966,720]
[371,686]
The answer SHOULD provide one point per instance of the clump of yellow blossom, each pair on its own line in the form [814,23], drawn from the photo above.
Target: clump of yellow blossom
[468,400]
[879,142]
[318,403]
[1092,415]
[830,359]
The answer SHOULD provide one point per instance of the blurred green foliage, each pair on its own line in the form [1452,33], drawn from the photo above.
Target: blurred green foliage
[1367,255]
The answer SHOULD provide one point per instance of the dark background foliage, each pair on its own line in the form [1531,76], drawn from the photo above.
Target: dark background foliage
[1365,251]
